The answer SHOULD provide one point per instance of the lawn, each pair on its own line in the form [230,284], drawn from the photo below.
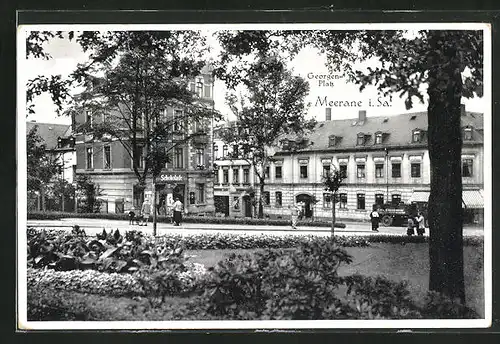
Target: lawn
[398,262]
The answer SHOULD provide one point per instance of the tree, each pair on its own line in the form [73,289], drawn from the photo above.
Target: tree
[88,195]
[271,107]
[332,181]
[449,63]
[41,167]
[131,79]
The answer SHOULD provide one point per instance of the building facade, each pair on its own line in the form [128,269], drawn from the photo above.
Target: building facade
[234,182]
[188,175]
[383,160]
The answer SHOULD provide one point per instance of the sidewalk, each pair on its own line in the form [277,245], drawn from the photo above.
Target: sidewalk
[352,228]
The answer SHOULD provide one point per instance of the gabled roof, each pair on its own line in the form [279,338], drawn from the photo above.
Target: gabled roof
[398,130]
[50,132]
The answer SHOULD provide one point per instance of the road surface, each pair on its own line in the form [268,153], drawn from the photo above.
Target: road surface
[93,226]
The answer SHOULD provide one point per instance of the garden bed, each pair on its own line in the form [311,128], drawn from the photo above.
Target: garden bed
[137,277]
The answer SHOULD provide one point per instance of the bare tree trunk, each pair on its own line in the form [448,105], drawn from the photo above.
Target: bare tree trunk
[261,206]
[445,143]
[333,213]
[154,207]
[42,192]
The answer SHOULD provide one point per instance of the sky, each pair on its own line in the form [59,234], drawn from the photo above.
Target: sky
[309,64]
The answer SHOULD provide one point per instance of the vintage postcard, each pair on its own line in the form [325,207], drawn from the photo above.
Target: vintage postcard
[254,176]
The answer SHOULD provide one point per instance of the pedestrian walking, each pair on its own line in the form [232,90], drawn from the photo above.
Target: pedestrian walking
[295,211]
[421,224]
[177,208]
[146,211]
[375,219]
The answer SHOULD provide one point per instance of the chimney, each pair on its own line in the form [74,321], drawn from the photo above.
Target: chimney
[328,114]
[362,116]
[462,110]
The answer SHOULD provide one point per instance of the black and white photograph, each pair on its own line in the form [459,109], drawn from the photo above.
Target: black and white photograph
[254,176]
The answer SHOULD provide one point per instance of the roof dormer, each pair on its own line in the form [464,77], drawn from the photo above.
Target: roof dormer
[467,133]
[362,139]
[417,135]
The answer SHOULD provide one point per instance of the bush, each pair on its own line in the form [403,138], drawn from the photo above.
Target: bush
[186,219]
[88,281]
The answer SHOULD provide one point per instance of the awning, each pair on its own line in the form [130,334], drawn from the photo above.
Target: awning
[419,196]
[473,199]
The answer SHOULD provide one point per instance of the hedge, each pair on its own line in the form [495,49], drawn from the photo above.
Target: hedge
[186,219]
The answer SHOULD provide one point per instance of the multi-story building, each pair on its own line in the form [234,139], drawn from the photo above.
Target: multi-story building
[234,181]
[59,146]
[60,149]
[383,160]
[188,175]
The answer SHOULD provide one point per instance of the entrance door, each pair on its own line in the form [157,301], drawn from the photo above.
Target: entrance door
[179,192]
[305,200]
[247,206]
[222,204]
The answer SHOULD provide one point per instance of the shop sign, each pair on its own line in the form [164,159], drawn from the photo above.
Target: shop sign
[171,177]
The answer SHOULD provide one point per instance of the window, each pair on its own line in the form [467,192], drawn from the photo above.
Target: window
[415,170]
[467,165]
[236,175]
[467,134]
[199,86]
[200,153]
[225,176]
[303,171]
[361,171]
[235,151]
[216,175]
[178,114]
[361,139]
[178,157]
[416,136]
[279,198]
[138,153]
[224,151]
[379,199]
[343,201]
[396,170]
[236,203]
[266,198]
[216,151]
[278,172]
[192,198]
[88,118]
[246,176]
[107,157]
[200,190]
[379,170]
[396,199]
[378,138]
[327,200]
[90,158]
[207,91]
[343,171]
[326,170]
[332,141]
[361,201]
[266,172]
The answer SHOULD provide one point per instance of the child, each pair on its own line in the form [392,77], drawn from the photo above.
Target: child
[411,223]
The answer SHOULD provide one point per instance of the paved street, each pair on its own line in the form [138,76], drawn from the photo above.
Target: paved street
[93,226]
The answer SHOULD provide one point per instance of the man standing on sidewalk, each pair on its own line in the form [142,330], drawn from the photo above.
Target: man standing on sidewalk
[146,211]
[177,208]
[375,218]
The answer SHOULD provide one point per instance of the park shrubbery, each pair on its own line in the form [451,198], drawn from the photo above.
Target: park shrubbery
[134,277]
[187,219]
